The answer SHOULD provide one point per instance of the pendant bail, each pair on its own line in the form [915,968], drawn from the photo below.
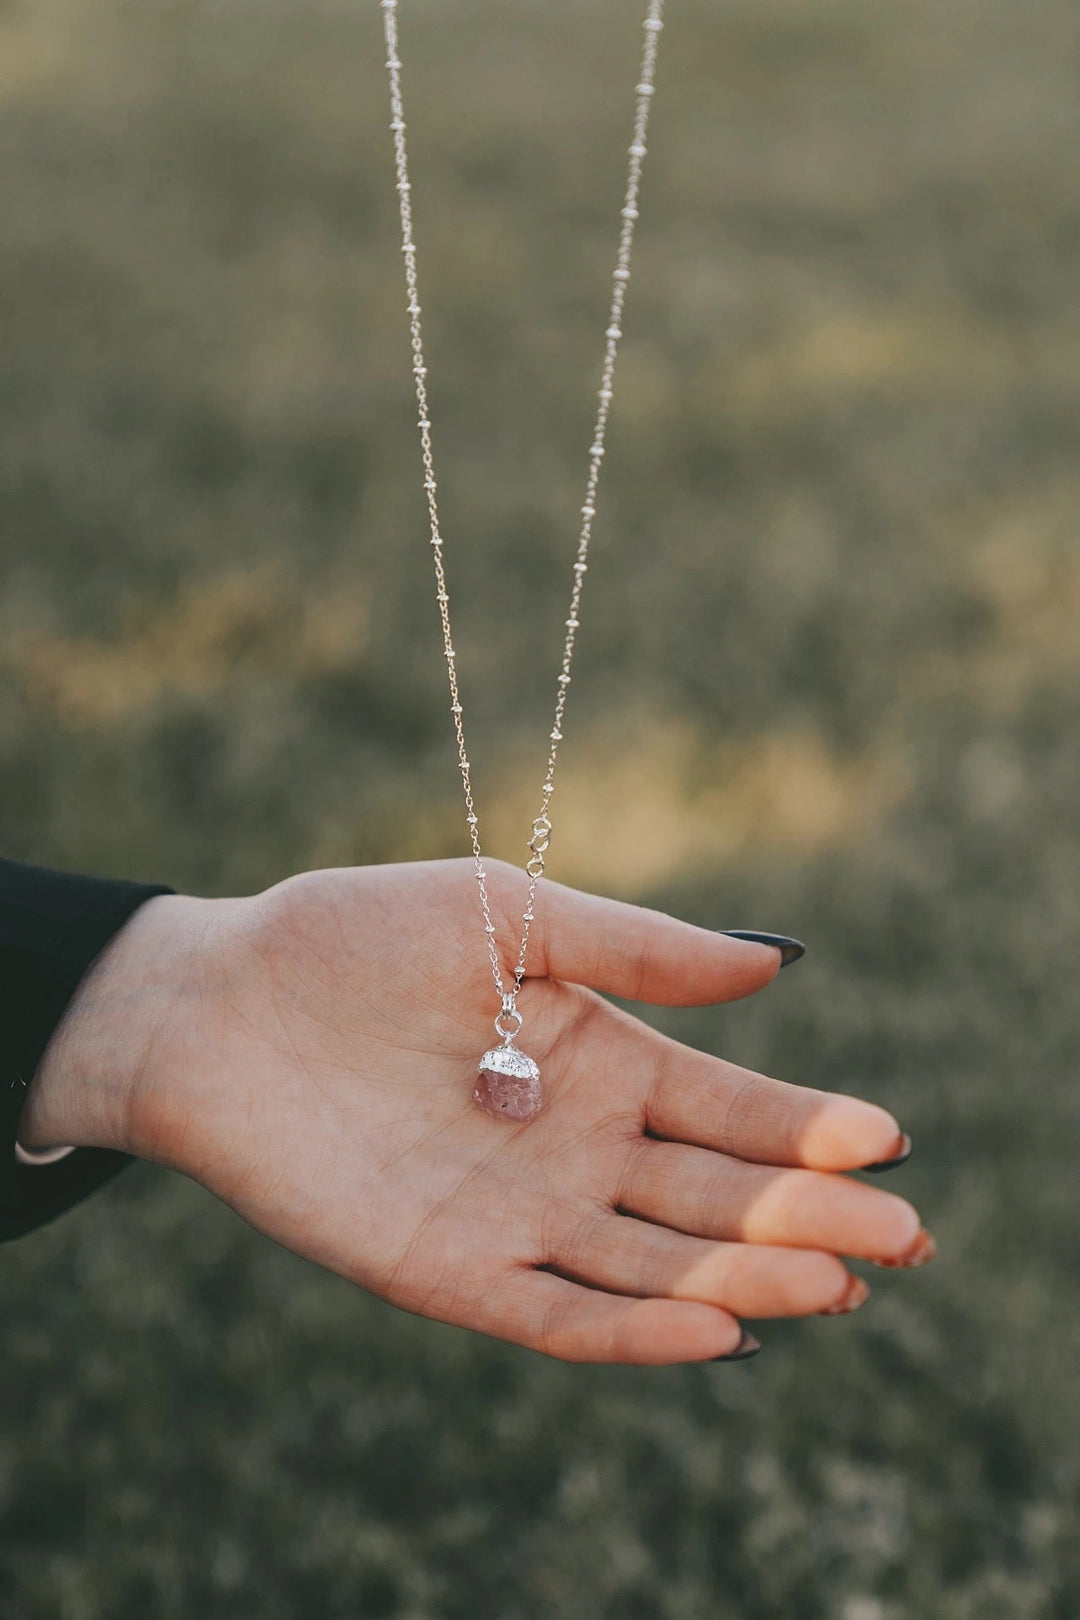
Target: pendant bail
[508,1014]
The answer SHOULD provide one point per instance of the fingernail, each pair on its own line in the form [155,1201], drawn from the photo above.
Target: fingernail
[900,1157]
[855,1294]
[920,1253]
[747,1346]
[790,949]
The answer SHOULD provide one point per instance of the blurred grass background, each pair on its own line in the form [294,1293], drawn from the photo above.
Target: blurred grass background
[829,682]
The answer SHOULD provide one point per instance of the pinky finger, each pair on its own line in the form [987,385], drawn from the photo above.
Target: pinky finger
[563,1319]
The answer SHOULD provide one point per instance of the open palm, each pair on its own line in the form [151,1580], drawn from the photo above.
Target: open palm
[315,1069]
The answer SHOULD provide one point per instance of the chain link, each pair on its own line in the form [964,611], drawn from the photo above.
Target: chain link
[542,826]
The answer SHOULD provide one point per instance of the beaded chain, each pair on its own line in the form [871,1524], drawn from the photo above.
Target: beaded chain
[509,1020]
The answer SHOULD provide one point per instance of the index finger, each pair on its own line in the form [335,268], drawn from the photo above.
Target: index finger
[707,1102]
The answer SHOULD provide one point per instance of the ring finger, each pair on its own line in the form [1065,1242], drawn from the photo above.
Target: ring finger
[627,1256]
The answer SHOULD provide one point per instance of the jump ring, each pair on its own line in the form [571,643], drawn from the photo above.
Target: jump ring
[515,1026]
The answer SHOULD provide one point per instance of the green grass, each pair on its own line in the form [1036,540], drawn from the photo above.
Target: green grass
[836,563]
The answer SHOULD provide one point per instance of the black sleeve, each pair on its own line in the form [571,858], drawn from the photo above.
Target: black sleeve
[52,927]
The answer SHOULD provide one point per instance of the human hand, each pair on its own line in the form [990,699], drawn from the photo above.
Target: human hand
[309,1055]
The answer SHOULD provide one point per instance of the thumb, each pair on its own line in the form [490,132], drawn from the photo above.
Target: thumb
[644,955]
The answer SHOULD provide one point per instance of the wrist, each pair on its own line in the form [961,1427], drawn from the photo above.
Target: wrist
[113,1029]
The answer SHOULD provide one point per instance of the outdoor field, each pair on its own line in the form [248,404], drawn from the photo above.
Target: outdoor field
[828,684]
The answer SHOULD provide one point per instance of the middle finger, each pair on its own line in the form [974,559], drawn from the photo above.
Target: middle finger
[710,1195]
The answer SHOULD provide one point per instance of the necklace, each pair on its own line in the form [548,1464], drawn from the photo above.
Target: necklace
[508,1084]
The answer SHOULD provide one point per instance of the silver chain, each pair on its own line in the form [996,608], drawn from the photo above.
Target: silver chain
[542,826]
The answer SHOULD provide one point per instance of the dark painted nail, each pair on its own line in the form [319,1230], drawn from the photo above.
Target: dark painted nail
[921,1252]
[790,949]
[897,1159]
[855,1294]
[747,1346]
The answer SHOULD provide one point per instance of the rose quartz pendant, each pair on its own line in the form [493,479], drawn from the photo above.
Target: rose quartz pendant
[509,1084]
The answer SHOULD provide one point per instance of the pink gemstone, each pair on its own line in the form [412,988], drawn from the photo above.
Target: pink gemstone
[507,1096]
